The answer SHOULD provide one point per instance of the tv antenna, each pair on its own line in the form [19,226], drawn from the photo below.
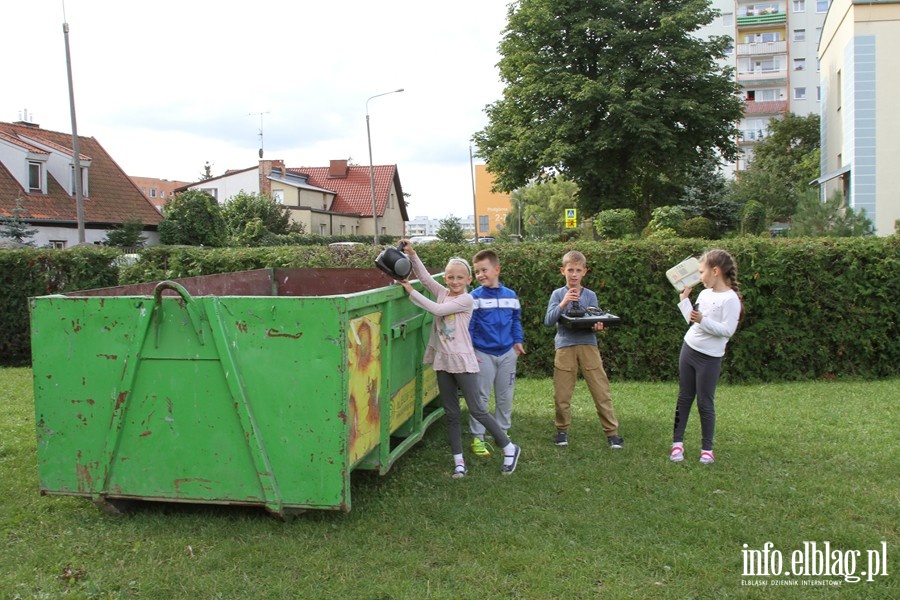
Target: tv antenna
[260,129]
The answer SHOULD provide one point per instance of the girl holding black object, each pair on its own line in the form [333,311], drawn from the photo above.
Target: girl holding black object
[452,356]
[713,321]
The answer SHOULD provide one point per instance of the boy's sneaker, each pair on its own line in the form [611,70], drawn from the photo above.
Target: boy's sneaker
[561,439]
[615,441]
[479,448]
[707,457]
[507,469]
[459,471]
[677,453]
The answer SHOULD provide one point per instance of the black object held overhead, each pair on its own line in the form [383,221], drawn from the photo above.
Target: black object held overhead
[394,262]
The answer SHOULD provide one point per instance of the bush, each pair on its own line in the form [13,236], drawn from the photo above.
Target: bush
[616,223]
[790,288]
[699,227]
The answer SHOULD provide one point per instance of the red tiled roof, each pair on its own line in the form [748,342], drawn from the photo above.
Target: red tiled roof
[112,196]
[353,193]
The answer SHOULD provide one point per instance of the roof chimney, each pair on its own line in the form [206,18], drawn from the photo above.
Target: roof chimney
[338,169]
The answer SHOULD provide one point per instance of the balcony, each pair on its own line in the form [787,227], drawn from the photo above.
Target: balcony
[761,48]
[771,107]
[764,17]
[762,76]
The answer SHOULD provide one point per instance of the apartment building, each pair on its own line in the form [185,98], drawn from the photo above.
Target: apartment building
[774,57]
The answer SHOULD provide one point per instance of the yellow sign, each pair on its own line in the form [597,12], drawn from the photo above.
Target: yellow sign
[571,223]
[571,219]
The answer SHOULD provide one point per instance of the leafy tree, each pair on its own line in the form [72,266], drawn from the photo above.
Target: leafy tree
[193,218]
[620,96]
[542,206]
[668,218]
[15,227]
[829,218]
[706,195]
[783,164]
[251,217]
[128,235]
[753,218]
[615,223]
[451,230]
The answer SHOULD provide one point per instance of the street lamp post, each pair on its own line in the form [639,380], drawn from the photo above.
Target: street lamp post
[372,165]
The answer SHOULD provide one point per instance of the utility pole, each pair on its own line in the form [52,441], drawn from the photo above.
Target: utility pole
[76,154]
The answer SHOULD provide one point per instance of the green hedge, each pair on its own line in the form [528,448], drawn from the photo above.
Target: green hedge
[813,308]
[30,272]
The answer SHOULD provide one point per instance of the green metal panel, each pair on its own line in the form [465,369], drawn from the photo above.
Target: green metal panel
[263,400]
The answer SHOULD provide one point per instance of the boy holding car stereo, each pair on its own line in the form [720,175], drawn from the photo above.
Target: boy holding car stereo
[577,348]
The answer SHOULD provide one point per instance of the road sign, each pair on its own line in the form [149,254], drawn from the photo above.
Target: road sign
[571,218]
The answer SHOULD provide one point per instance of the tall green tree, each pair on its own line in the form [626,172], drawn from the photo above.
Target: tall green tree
[783,164]
[451,230]
[620,96]
[542,207]
[193,218]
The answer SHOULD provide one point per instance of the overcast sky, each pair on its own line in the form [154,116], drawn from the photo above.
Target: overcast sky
[166,86]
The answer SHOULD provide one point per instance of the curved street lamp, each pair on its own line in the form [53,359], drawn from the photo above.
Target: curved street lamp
[372,166]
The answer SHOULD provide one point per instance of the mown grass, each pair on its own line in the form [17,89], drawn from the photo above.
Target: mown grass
[795,462]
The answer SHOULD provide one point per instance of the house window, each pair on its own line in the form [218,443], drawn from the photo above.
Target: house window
[214,192]
[799,64]
[153,192]
[343,229]
[822,6]
[484,224]
[35,176]
[799,5]
[321,228]
[278,196]
[799,93]
[57,244]
[729,49]
[799,35]
[818,93]
[727,19]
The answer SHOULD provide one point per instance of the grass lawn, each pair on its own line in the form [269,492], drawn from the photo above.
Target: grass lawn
[795,463]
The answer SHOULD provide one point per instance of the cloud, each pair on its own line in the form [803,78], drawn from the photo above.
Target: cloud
[167,86]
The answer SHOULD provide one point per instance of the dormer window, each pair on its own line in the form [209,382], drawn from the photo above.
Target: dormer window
[84,181]
[35,177]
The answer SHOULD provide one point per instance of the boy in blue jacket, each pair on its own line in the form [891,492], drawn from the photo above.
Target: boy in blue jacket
[496,330]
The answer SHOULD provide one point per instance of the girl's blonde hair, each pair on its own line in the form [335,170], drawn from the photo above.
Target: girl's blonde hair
[459,261]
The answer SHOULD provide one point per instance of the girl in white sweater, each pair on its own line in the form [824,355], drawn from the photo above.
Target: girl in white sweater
[713,321]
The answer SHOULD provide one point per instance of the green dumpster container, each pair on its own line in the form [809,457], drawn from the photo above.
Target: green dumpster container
[263,387]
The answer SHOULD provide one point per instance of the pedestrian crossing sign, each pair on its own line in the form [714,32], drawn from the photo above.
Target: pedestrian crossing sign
[571,218]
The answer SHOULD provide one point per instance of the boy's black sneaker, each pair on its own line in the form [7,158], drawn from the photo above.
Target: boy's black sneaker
[615,441]
[561,439]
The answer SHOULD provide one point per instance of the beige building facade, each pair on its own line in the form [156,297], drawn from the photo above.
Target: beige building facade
[858,54]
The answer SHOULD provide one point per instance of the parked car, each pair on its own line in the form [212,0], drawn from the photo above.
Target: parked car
[483,239]
[424,239]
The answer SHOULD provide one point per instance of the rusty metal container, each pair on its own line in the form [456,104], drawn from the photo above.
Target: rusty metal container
[263,387]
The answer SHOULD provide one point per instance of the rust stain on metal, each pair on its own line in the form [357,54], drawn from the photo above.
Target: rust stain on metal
[343,417]
[374,415]
[76,326]
[120,400]
[276,333]
[242,326]
[109,356]
[146,433]
[82,418]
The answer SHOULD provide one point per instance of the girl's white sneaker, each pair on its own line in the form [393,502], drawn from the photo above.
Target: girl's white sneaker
[707,457]
[677,453]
